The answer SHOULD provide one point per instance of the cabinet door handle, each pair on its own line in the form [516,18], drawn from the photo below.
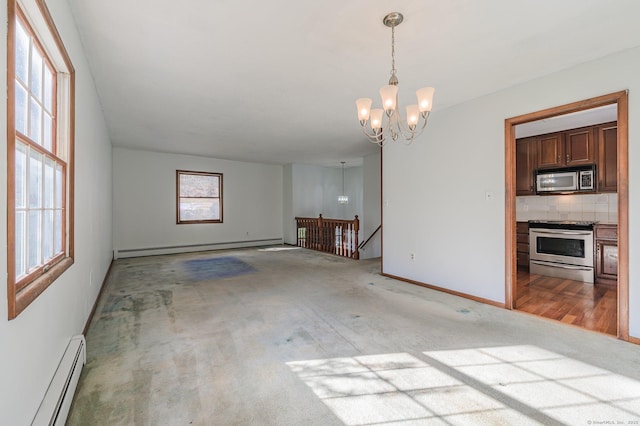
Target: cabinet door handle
[567,157]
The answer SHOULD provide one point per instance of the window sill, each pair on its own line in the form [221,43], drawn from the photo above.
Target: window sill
[28,294]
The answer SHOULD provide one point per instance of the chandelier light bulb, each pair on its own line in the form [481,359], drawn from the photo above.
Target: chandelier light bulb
[376,118]
[364,109]
[389,94]
[413,115]
[425,98]
[394,125]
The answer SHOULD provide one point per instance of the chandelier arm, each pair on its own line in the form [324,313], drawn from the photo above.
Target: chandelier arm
[378,138]
[419,132]
[409,134]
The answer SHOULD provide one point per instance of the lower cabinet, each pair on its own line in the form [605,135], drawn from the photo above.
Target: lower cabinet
[606,254]
[522,245]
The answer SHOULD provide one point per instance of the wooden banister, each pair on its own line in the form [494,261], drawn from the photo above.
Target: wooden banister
[335,236]
[361,246]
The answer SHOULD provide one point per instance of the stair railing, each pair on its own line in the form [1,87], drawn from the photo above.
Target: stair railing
[335,236]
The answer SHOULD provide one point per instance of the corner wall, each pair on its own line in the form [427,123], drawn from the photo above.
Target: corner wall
[33,343]
[371,205]
[436,188]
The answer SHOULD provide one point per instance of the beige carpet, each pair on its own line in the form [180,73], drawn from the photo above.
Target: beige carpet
[294,337]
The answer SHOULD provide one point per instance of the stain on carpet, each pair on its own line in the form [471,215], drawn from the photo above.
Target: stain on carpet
[217,268]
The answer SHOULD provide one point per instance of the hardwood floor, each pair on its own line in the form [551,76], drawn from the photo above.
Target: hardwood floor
[590,306]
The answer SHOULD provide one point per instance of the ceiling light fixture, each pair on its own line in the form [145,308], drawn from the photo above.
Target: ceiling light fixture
[395,125]
[343,199]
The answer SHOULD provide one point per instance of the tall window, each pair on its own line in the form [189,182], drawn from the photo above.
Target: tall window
[199,197]
[40,111]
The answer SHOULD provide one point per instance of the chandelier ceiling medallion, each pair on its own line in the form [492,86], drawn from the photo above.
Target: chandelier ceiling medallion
[416,114]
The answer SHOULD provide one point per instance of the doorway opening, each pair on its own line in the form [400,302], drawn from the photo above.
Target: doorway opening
[515,186]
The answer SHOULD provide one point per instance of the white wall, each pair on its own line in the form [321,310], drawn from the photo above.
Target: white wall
[315,190]
[436,187]
[33,343]
[144,203]
[288,218]
[371,206]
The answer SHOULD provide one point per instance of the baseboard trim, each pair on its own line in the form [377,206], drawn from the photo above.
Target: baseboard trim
[189,248]
[95,303]
[634,340]
[446,290]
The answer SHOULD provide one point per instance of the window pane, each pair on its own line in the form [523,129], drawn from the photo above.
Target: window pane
[47,140]
[35,84]
[198,186]
[58,185]
[34,239]
[20,243]
[21,109]
[199,209]
[47,235]
[57,237]
[22,52]
[21,175]
[49,165]
[48,89]
[35,179]
[35,124]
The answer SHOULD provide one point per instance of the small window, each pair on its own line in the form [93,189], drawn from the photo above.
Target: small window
[199,197]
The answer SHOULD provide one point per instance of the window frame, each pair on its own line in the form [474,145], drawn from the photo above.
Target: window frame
[23,291]
[178,197]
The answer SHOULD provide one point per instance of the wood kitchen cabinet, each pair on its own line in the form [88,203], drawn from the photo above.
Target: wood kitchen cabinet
[526,164]
[607,157]
[522,245]
[579,147]
[574,147]
[550,150]
[606,254]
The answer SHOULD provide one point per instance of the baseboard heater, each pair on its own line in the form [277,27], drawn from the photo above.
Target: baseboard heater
[56,403]
[186,248]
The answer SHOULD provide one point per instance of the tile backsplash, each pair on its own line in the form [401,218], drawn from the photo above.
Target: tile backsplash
[598,207]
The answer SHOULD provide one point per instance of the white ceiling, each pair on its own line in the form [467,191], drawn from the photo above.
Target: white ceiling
[276,81]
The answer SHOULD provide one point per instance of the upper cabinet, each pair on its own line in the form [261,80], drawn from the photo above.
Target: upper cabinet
[526,151]
[550,150]
[577,147]
[571,148]
[607,157]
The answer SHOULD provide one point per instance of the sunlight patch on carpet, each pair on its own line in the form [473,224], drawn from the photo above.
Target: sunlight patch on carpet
[498,385]
[279,248]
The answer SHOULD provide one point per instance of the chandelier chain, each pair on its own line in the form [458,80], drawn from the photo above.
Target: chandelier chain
[393,50]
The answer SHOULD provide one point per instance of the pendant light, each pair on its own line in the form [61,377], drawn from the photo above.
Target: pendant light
[416,115]
[343,199]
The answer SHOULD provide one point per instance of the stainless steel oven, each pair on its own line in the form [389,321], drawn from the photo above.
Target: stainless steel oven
[561,249]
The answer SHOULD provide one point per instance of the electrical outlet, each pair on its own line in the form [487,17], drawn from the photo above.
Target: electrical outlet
[412,256]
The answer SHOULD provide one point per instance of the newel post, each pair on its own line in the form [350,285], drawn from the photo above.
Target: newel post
[320,236]
[356,228]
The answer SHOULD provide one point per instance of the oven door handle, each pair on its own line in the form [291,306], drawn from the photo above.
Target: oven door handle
[562,232]
[562,266]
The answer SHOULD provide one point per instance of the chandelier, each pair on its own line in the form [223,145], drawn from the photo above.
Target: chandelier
[416,114]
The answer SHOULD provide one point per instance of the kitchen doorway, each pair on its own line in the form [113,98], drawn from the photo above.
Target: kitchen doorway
[620,100]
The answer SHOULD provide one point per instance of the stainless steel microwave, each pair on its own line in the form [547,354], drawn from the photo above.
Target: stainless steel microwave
[567,180]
